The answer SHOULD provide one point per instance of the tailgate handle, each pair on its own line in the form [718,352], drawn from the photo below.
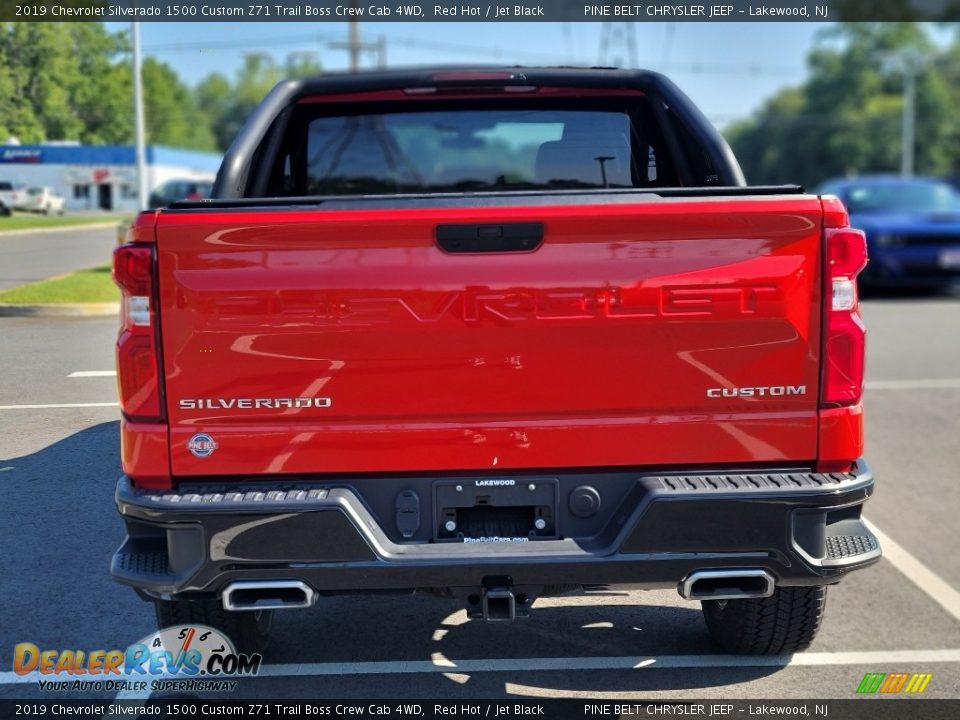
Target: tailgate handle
[473,238]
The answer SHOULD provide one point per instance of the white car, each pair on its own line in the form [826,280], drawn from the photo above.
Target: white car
[40,199]
[10,194]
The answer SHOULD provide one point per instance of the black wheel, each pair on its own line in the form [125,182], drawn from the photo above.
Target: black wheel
[785,622]
[249,630]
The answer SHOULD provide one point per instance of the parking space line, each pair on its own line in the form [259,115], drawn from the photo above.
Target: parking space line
[61,405]
[916,384]
[919,574]
[886,658]
[92,373]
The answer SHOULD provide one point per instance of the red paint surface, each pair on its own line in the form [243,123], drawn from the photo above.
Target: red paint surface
[596,349]
[144,453]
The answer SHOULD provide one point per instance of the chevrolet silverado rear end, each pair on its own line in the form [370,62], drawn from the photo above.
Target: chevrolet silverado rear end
[492,335]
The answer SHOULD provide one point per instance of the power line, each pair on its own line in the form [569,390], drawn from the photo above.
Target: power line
[241,44]
[482,51]
[326,38]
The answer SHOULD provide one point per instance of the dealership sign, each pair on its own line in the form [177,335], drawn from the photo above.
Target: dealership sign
[98,174]
[24,155]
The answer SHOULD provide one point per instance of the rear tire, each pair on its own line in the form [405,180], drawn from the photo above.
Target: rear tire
[249,630]
[785,622]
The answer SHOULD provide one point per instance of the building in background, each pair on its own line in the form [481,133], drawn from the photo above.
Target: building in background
[100,177]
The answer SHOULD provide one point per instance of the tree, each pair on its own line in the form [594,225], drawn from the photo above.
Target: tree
[73,81]
[172,115]
[846,118]
[228,106]
[102,87]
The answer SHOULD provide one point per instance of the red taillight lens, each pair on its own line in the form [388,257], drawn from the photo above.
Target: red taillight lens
[133,268]
[845,335]
[138,365]
[138,377]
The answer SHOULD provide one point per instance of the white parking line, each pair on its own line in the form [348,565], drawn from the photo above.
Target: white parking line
[63,405]
[613,663]
[92,373]
[565,664]
[916,384]
[919,574]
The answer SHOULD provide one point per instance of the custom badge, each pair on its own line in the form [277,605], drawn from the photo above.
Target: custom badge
[202,445]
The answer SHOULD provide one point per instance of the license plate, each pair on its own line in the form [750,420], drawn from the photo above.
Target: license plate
[950,259]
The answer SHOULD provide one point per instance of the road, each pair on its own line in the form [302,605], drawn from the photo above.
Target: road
[57,472]
[28,257]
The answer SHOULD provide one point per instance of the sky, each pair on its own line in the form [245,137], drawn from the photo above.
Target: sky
[728,69]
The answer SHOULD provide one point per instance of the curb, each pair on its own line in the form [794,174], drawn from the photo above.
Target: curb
[58,228]
[102,309]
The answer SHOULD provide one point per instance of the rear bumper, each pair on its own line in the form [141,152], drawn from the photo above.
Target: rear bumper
[802,528]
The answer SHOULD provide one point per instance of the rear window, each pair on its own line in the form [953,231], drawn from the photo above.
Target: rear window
[471,150]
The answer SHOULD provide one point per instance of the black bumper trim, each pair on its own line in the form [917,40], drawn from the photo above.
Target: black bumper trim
[791,524]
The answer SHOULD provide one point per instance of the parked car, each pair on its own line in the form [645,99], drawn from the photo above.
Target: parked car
[4,210]
[42,200]
[912,227]
[10,194]
[174,190]
[384,358]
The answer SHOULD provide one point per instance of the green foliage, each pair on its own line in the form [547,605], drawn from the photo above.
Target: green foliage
[94,285]
[172,114]
[227,105]
[73,81]
[847,117]
[31,221]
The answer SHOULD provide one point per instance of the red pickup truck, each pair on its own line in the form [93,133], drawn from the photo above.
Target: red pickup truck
[493,335]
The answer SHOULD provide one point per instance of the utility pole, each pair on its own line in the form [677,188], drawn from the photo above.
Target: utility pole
[354,42]
[907,62]
[382,52]
[355,47]
[615,38]
[908,129]
[139,132]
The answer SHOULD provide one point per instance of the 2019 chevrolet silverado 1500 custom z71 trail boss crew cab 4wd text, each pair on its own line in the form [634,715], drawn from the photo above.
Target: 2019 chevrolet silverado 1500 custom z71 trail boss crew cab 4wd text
[493,334]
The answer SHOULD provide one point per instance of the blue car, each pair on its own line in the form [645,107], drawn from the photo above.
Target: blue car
[912,227]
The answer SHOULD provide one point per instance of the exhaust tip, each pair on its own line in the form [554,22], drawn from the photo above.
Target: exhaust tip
[727,585]
[267,595]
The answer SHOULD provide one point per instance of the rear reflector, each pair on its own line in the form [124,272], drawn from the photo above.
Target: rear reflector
[138,365]
[845,335]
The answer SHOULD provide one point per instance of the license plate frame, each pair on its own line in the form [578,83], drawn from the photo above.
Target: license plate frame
[454,499]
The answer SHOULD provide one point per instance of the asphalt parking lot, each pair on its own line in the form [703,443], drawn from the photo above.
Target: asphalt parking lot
[59,463]
[28,256]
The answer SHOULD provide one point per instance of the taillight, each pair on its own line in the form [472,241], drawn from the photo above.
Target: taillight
[138,364]
[845,336]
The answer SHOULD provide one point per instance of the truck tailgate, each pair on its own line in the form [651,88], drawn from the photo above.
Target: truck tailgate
[652,332]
